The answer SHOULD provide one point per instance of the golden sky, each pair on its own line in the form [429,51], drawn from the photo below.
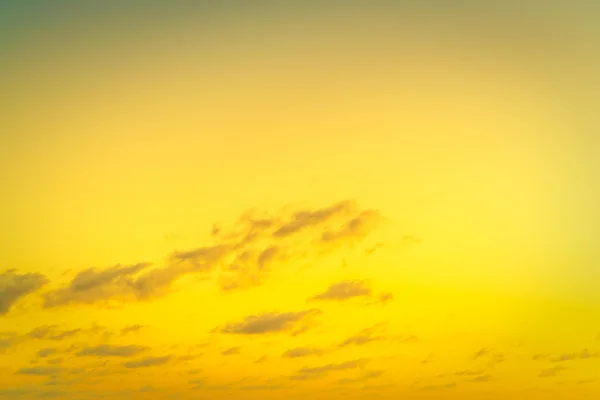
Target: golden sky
[290,200]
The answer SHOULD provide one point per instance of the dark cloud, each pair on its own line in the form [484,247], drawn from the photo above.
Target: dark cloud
[187,357]
[357,228]
[369,375]
[318,372]
[363,337]
[482,353]
[40,371]
[302,220]
[269,323]
[147,362]
[231,351]
[65,334]
[351,289]
[382,298]
[345,290]
[8,339]
[241,257]
[55,361]
[92,285]
[14,286]
[551,372]
[131,328]
[41,332]
[105,350]
[50,332]
[467,372]
[481,378]
[17,392]
[46,352]
[582,355]
[303,352]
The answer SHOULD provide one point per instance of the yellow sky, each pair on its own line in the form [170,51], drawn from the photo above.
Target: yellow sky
[298,203]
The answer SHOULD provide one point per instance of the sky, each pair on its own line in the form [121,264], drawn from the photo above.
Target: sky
[299,200]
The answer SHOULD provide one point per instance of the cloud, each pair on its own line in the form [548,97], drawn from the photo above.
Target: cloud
[302,352]
[302,220]
[50,332]
[40,371]
[357,228]
[65,334]
[365,377]
[231,351]
[482,353]
[269,323]
[363,337]
[41,332]
[188,357]
[481,378]
[8,339]
[147,362]
[262,387]
[55,361]
[131,328]
[16,392]
[351,289]
[46,352]
[467,372]
[539,357]
[345,290]
[105,350]
[240,257]
[551,372]
[52,394]
[582,355]
[92,285]
[325,369]
[492,357]
[14,286]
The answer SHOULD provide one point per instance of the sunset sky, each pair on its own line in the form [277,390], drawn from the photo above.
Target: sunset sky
[300,200]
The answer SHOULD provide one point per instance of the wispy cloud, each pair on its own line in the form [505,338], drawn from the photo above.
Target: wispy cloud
[269,323]
[551,372]
[367,376]
[582,355]
[14,286]
[46,352]
[147,362]
[364,336]
[105,350]
[40,371]
[345,290]
[307,373]
[131,329]
[231,351]
[303,352]
[242,256]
